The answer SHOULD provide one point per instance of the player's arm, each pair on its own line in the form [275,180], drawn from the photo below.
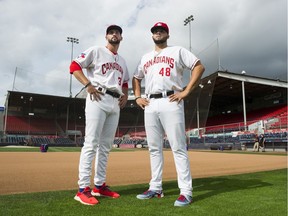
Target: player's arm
[196,74]
[77,72]
[123,99]
[136,84]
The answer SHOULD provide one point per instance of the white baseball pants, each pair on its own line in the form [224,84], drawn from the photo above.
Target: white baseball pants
[102,119]
[163,116]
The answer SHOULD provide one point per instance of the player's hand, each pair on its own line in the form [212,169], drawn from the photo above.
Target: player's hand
[142,102]
[178,97]
[123,100]
[94,93]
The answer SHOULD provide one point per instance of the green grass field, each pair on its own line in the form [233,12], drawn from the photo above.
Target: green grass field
[261,193]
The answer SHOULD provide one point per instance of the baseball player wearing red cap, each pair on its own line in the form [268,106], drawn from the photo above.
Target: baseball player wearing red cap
[164,108]
[107,87]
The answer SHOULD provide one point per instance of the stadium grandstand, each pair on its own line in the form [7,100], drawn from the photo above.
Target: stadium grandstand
[224,112]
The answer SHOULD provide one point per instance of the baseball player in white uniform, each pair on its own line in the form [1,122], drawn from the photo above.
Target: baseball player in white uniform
[164,108]
[107,87]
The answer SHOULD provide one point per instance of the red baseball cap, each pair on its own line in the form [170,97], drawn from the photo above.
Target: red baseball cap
[114,27]
[160,25]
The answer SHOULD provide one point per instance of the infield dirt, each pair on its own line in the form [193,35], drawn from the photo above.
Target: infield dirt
[38,172]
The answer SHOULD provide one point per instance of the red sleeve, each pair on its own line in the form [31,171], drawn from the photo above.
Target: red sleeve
[74,66]
[125,85]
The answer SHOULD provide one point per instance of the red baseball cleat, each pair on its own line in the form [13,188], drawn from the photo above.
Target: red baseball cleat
[85,197]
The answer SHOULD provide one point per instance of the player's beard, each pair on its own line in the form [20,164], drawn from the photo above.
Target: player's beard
[114,41]
[160,41]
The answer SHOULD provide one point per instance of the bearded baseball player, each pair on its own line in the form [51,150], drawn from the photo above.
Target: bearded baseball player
[106,83]
[164,108]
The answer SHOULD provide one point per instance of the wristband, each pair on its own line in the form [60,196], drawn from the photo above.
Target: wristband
[137,97]
[89,83]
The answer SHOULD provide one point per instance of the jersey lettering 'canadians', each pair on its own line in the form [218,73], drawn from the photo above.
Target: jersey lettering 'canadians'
[160,59]
[111,66]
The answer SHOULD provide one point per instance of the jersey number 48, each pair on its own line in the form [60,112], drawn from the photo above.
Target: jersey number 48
[165,71]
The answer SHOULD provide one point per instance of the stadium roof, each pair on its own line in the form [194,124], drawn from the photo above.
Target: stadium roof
[226,88]
[19,99]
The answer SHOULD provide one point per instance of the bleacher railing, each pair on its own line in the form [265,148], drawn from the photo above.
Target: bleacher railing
[276,129]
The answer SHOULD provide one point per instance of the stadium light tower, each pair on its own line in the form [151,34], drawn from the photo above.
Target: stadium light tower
[244,101]
[76,41]
[188,20]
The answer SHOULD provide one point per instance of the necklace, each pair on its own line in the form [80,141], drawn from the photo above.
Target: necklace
[116,57]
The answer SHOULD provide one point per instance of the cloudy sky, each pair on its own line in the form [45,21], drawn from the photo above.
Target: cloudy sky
[233,35]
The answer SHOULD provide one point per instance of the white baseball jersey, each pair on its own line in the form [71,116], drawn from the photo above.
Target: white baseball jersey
[104,68]
[163,71]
